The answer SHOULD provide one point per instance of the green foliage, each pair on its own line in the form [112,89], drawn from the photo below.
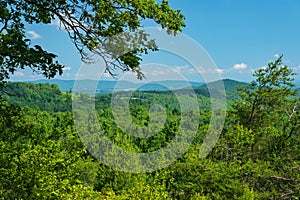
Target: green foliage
[42,157]
[236,144]
[268,96]
[262,134]
[89,24]
[46,97]
[270,108]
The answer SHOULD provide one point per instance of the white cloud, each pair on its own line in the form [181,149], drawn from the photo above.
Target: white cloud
[180,68]
[67,68]
[55,22]
[158,72]
[276,55]
[220,71]
[264,67]
[240,66]
[61,26]
[203,70]
[33,35]
[106,75]
[296,68]
[192,70]
[19,74]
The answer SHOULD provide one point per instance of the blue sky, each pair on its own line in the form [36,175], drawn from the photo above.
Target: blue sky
[239,35]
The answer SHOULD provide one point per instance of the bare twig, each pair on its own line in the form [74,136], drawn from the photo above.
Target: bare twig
[284,179]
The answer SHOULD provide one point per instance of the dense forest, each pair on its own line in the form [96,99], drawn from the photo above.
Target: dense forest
[45,155]
[256,157]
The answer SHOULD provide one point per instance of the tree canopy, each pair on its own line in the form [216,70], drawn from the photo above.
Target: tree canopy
[89,23]
[43,157]
[269,107]
[272,92]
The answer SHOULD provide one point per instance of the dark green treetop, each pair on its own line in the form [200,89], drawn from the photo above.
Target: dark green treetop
[271,93]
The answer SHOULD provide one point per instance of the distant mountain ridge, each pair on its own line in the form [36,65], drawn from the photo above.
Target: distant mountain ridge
[48,97]
[229,84]
[219,89]
[110,86]
[105,87]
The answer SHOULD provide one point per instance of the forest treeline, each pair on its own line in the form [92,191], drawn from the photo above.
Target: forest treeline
[49,97]
[256,157]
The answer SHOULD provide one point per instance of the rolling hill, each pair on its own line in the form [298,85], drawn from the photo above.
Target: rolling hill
[104,87]
[49,97]
[229,85]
